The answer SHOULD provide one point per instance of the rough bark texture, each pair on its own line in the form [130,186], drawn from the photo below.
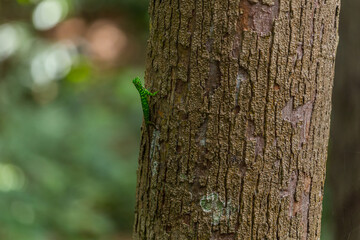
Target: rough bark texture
[243,112]
[345,144]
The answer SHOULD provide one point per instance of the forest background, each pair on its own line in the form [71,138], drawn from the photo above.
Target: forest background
[70,120]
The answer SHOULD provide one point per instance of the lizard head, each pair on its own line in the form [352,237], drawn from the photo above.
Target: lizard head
[137,82]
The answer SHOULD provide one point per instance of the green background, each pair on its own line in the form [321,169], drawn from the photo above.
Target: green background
[69,137]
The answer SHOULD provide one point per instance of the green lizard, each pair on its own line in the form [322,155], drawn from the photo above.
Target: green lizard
[144,93]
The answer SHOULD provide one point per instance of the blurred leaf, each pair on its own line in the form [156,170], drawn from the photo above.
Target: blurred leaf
[24,2]
[79,73]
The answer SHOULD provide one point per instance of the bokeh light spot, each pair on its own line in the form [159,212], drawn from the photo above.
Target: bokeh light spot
[48,13]
[9,41]
[107,41]
[52,64]
[11,177]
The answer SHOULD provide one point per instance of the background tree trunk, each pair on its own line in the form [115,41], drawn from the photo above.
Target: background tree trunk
[243,112]
[344,177]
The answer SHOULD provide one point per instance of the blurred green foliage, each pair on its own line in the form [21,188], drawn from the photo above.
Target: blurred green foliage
[69,127]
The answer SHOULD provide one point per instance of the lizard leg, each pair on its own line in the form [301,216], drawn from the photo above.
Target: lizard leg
[149,93]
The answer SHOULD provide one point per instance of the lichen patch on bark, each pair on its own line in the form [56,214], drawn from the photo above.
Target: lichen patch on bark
[212,203]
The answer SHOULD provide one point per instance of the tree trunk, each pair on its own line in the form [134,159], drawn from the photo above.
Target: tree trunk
[345,144]
[243,114]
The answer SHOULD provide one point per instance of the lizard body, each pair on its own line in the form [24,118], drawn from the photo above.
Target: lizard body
[144,93]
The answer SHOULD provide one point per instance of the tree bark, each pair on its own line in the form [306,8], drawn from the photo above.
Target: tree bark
[243,114]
